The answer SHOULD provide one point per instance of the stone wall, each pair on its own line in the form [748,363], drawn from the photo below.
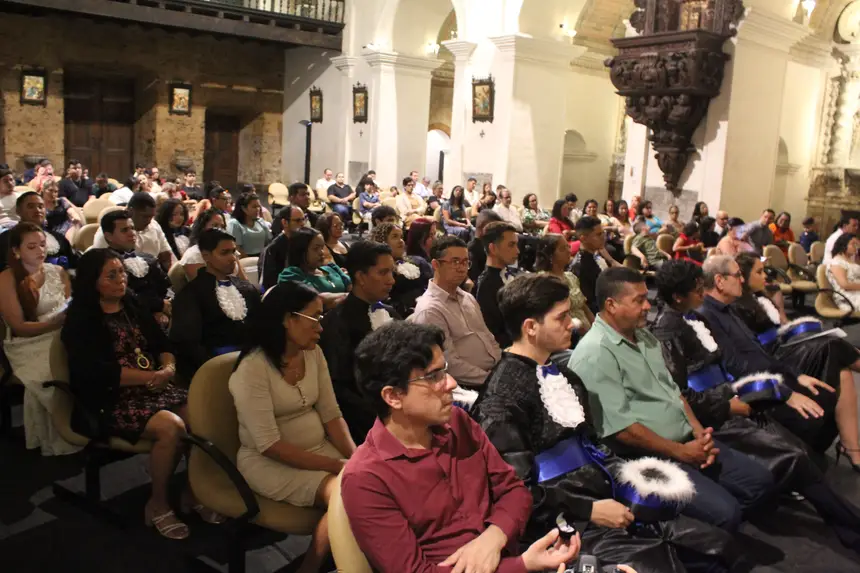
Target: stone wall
[228,76]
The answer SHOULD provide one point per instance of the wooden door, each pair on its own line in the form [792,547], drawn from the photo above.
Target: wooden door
[221,150]
[99,115]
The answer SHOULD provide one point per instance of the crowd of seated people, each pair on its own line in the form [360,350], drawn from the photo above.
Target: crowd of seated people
[430,344]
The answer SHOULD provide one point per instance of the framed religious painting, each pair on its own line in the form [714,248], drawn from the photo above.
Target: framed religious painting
[316,105]
[180,99]
[483,99]
[359,103]
[34,87]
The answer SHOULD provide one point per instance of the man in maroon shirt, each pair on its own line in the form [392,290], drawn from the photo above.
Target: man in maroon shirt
[427,491]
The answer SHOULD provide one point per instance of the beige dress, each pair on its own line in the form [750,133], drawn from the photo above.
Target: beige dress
[269,410]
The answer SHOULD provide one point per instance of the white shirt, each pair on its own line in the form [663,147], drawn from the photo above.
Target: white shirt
[121,196]
[422,191]
[509,214]
[323,184]
[8,214]
[828,247]
[155,188]
[151,240]
[472,197]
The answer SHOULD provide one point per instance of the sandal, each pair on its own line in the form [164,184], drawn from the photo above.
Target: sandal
[167,524]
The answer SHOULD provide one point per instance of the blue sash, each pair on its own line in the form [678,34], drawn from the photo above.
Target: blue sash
[60,261]
[769,385]
[801,328]
[627,495]
[218,351]
[706,378]
[567,456]
[768,336]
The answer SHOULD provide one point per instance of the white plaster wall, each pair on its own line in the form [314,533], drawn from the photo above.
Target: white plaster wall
[437,141]
[487,154]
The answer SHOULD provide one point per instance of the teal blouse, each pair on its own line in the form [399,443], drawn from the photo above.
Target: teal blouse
[333,280]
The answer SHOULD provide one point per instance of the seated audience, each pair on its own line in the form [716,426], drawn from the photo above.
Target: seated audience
[409,204]
[591,258]
[172,218]
[501,243]
[455,215]
[435,200]
[299,196]
[675,224]
[103,185]
[218,198]
[689,246]
[826,358]
[368,199]
[553,258]
[487,201]
[477,252]
[612,227]
[331,227]
[848,224]
[8,216]
[192,260]
[190,188]
[695,362]
[211,312]
[121,370]
[475,513]
[759,233]
[560,224]
[293,438]
[654,223]
[506,210]
[247,227]
[710,238]
[639,407]
[812,402]
[124,194]
[340,196]
[574,213]
[61,217]
[809,234]
[782,233]
[645,247]
[44,172]
[736,239]
[622,215]
[274,257]
[371,268]
[420,237]
[535,219]
[532,408]
[31,209]
[384,214]
[700,211]
[843,272]
[470,348]
[154,181]
[33,298]
[148,236]
[411,275]
[73,187]
[146,278]
[306,256]
[722,225]
[326,181]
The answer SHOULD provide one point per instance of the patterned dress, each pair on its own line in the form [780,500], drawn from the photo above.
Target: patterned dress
[135,405]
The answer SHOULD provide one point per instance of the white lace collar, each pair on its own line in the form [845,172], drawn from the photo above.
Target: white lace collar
[769,308]
[407,270]
[601,262]
[509,274]
[378,316]
[559,398]
[703,334]
[136,266]
[52,245]
[230,300]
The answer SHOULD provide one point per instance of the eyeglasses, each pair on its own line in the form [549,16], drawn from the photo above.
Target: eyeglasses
[457,262]
[312,318]
[436,378]
[736,275]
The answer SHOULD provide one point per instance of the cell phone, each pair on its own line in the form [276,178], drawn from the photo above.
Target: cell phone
[587,564]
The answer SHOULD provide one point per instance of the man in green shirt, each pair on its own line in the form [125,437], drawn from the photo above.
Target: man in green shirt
[638,408]
[644,246]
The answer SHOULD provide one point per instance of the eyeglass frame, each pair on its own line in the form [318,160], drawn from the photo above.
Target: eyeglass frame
[456,262]
[442,372]
[316,320]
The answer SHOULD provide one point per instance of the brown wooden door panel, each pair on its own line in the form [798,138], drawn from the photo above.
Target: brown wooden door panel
[221,151]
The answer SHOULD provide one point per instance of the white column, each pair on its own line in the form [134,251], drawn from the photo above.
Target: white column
[346,65]
[462,51]
[635,160]
[399,94]
[848,103]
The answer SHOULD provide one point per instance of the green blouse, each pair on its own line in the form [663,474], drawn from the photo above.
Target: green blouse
[333,279]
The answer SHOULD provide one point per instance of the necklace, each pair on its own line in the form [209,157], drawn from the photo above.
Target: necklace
[142,361]
[296,373]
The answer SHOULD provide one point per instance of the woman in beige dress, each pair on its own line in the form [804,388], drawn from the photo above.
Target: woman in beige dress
[293,438]
[409,204]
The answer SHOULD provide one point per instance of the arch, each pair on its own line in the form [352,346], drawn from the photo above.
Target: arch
[546,18]
[446,129]
[438,145]
[782,153]
[407,26]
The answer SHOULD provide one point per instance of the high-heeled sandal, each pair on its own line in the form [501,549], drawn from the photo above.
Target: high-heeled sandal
[175,530]
[840,450]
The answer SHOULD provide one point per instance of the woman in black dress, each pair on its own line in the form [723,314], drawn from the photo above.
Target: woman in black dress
[173,218]
[331,227]
[827,358]
[121,370]
[411,274]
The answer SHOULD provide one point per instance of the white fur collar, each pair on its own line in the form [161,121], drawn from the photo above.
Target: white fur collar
[793,323]
[51,244]
[757,377]
[464,397]
[559,398]
[703,334]
[407,270]
[231,301]
[677,486]
[770,309]
[136,266]
[378,316]
[601,262]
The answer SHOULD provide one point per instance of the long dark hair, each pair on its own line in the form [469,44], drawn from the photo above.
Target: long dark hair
[300,241]
[746,262]
[456,199]
[617,210]
[201,221]
[266,329]
[28,295]
[545,251]
[165,213]
[556,211]
[417,236]
[243,201]
[697,210]
[87,298]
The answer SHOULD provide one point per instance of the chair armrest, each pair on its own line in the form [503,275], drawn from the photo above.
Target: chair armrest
[773,272]
[803,272]
[252,508]
[848,300]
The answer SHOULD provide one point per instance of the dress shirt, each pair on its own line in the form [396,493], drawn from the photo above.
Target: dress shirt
[473,197]
[470,348]
[828,246]
[629,383]
[462,484]
[511,215]
[487,294]
[8,213]
[121,196]
[150,241]
[422,191]
[323,184]
[741,349]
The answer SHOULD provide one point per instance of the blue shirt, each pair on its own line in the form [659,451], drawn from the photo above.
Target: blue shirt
[655,223]
[365,196]
[252,240]
[807,238]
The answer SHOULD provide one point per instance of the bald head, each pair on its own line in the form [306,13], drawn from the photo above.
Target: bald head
[722,218]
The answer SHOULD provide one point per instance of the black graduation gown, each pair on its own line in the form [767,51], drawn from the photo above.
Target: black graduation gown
[150,289]
[344,327]
[406,291]
[512,413]
[487,290]
[199,325]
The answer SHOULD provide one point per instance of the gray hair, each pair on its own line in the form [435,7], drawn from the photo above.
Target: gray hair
[714,266]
